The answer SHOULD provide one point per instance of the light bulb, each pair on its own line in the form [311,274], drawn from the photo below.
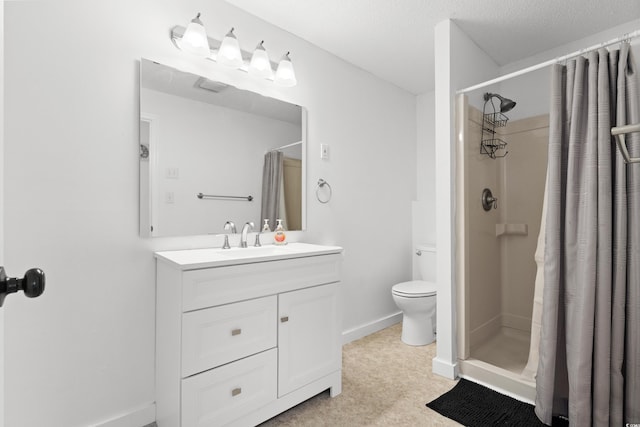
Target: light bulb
[229,52]
[285,75]
[260,65]
[195,39]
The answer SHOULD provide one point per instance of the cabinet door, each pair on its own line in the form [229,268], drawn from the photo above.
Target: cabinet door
[308,336]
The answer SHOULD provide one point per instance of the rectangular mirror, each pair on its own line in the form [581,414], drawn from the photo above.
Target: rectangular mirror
[211,153]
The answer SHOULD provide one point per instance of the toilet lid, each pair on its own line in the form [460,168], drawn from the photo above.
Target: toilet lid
[415,288]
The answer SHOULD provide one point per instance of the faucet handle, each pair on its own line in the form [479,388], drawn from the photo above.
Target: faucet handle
[226,244]
[257,244]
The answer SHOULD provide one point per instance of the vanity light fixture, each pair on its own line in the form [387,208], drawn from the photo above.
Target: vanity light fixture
[260,66]
[229,52]
[194,39]
[285,75]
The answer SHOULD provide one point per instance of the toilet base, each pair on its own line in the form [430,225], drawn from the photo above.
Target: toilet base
[417,330]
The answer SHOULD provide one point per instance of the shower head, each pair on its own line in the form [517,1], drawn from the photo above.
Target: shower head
[506,104]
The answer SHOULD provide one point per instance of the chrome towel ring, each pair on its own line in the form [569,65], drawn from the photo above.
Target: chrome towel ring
[321,184]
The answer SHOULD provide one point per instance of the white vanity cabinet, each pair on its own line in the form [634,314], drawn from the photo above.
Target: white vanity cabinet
[244,336]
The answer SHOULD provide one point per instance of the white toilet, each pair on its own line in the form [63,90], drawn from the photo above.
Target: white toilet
[417,300]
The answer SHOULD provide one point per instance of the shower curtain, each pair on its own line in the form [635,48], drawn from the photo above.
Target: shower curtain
[589,362]
[529,371]
[272,188]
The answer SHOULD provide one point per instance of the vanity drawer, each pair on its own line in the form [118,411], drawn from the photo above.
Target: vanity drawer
[222,285]
[219,335]
[218,396]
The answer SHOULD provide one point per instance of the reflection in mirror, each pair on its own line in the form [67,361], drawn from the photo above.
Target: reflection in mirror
[242,152]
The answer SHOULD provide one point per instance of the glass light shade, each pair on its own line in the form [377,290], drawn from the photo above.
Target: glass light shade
[260,65]
[285,75]
[229,52]
[195,39]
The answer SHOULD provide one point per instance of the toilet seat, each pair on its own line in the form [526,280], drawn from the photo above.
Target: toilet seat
[415,289]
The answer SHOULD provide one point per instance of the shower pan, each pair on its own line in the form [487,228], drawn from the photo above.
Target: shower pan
[496,243]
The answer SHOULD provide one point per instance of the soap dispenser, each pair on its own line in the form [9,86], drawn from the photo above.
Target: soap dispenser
[265,227]
[279,236]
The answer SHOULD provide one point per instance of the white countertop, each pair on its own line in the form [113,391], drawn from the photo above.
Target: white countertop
[189,259]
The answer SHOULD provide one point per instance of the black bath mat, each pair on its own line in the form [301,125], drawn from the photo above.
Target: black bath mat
[474,405]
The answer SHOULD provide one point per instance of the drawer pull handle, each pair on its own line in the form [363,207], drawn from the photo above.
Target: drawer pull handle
[284,319]
[236,391]
[236,332]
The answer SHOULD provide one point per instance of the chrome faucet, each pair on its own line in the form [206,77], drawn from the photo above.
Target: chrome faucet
[248,226]
[228,226]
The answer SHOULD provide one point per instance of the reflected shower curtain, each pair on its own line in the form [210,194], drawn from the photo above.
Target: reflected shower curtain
[589,367]
[272,191]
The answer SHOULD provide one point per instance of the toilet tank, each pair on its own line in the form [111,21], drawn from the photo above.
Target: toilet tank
[425,258]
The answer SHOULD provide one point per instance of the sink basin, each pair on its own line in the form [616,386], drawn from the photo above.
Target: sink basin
[253,252]
[190,259]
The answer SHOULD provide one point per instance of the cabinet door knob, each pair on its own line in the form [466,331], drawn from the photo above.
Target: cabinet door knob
[235,332]
[284,319]
[236,391]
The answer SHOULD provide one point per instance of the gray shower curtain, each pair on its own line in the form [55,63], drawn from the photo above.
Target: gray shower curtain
[589,366]
[271,187]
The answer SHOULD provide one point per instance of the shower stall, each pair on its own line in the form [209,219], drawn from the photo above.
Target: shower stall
[500,182]
[585,365]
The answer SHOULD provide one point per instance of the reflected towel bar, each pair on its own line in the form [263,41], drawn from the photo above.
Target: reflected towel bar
[211,196]
[618,133]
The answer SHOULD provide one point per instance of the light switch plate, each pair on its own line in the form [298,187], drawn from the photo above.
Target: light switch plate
[173,173]
[324,151]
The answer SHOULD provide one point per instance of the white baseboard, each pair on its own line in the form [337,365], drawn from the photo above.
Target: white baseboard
[445,368]
[370,328]
[136,418]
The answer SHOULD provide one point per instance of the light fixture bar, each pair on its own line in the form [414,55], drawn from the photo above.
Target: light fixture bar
[177,33]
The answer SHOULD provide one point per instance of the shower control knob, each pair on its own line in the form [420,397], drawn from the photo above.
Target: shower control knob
[488,201]
[32,284]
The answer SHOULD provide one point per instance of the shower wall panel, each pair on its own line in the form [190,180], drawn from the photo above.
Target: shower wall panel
[500,243]
[483,249]
[523,174]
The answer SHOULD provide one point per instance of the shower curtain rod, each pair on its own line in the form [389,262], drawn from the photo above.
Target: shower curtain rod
[287,146]
[626,37]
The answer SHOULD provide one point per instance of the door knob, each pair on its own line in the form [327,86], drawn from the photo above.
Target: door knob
[32,284]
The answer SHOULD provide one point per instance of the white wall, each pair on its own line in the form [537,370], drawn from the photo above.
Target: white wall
[2,204]
[85,348]
[425,116]
[531,90]
[459,63]
[423,208]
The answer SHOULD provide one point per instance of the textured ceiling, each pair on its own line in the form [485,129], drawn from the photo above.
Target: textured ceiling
[378,34]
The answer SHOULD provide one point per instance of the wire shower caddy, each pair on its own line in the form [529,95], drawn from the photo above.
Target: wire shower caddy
[491,145]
